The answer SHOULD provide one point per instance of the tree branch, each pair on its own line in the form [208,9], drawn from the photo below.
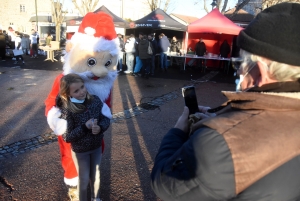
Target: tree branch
[224,6]
[239,7]
[205,7]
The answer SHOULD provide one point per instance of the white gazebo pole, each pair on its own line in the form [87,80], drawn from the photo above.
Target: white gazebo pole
[186,47]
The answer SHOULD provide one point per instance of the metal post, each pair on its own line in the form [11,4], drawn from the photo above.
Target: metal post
[36,17]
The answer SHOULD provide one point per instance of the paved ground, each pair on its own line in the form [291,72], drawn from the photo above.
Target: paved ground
[144,110]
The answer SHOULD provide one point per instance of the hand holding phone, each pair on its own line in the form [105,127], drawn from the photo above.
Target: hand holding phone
[190,99]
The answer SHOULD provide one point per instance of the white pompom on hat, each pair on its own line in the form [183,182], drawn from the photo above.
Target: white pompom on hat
[97,33]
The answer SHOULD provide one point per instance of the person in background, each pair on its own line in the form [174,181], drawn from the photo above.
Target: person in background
[138,61]
[200,50]
[151,38]
[121,53]
[164,46]
[18,47]
[145,56]
[2,46]
[250,149]
[175,49]
[49,38]
[25,43]
[33,43]
[85,131]
[224,52]
[130,50]
[11,37]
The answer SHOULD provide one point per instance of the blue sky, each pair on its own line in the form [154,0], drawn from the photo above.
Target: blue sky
[185,7]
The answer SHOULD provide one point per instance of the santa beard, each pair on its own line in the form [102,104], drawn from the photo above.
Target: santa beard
[100,87]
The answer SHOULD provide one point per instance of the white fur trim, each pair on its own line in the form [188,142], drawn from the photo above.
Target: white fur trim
[90,31]
[106,111]
[71,182]
[96,44]
[58,125]
[100,87]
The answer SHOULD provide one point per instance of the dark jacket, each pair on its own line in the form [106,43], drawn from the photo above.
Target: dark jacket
[122,45]
[137,41]
[164,44]
[250,151]
[200,48]
[2,40]
[143,49]
[175,46]
[81,138]
[224,49]
[155,46]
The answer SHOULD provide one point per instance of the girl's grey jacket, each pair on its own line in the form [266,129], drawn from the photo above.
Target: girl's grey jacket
[81,138]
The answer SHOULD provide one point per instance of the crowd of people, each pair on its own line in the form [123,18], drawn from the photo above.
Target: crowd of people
[20,44]
[141,53]
[140,63]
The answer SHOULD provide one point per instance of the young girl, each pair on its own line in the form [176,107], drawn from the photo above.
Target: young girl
[85,127]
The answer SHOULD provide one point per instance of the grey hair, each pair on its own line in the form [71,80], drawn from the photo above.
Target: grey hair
[280,71]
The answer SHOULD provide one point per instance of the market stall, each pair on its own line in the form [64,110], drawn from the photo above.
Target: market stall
[120,24]
[158,22]
[213,28]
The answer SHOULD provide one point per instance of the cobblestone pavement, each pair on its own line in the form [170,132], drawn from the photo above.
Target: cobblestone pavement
[143,111]
[47,138]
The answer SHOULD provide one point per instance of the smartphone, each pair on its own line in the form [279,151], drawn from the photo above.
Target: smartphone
[190,99]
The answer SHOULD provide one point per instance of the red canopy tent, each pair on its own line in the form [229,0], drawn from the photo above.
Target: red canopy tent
[213,28]
[214,22]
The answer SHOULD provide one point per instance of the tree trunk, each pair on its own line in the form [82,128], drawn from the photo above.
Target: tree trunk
[57,32]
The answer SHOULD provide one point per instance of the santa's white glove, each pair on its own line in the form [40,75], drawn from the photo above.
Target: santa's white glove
[58,125]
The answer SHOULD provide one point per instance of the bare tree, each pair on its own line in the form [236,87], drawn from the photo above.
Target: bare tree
[85,6]
[163,4]
[220,5]
[58,16]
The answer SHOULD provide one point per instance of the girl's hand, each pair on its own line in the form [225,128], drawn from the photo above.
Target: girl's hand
[89,123]
[95,128]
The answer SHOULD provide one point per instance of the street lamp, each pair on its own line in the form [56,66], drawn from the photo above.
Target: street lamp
[213,4]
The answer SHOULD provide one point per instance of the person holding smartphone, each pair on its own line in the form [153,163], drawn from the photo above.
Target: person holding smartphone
[250,149]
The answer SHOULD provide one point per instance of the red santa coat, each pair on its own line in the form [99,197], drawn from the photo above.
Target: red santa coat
[70,173]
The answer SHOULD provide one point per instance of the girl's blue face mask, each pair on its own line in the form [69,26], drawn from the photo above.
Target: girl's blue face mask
[74,100]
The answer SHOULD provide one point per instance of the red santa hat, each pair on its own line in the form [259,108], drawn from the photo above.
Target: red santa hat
[97,33]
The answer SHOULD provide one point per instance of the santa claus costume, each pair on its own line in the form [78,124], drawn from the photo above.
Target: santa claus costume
[92,53]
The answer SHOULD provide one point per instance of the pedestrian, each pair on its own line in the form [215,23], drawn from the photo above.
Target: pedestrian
[2,46]
[138,61]
[49,38]
[25,43]
[250,149]
[85,129]
[130,50]
[34,43]
[121,52]
[145,56]
[224,52]
[11,37]
[175,49]
[151,38]
[164,46]
[200,50]
[18,55]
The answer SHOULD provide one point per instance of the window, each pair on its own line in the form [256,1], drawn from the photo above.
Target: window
[22,8]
